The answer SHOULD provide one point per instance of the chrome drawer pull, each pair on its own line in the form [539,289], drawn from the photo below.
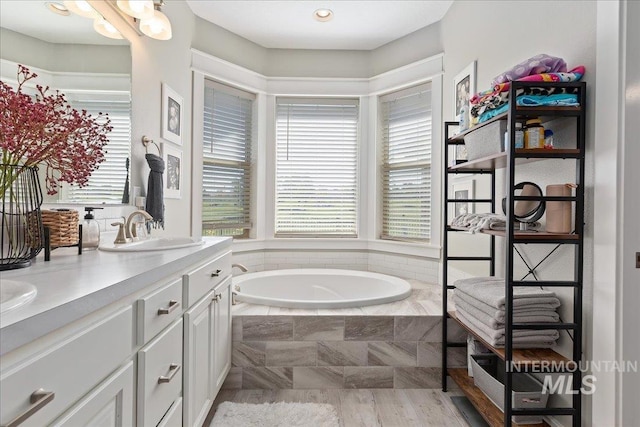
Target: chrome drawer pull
[38,399]
[217,297]
[216,273]
[174,368]
[173,304]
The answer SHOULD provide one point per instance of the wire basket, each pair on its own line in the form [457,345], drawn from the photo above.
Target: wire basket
[63,227]
[21,237]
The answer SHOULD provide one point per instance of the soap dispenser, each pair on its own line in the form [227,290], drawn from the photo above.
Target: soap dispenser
[90,231]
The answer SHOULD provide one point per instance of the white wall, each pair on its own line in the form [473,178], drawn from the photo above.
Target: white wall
[60,57]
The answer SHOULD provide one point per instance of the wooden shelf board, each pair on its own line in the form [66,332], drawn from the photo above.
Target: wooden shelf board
[490,412]
[499,160]
[537,235]
[522,357]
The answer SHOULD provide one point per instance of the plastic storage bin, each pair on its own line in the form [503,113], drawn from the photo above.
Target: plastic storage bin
[486,140]
[488,375]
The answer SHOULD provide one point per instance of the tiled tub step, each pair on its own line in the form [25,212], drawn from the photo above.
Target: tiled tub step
[335,352]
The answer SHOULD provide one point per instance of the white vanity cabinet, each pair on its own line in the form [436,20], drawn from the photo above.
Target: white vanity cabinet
[155,357]
[207,351]
[37,390]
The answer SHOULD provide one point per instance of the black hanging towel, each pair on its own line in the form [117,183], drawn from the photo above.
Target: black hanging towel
[155,200]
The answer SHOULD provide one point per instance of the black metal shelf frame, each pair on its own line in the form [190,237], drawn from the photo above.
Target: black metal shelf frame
[514,114]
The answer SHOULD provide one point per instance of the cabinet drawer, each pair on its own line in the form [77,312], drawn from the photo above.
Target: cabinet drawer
[159,375]
[60,371]
[173,418]
[158,309]
[201,280]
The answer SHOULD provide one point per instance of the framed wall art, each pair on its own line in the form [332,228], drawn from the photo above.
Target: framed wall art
[464,85]
[461,190]
[173,171]
[172,115]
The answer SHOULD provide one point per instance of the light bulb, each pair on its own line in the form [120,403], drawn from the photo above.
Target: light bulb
[140,9]
[105,28]
[82,8]
[158,27]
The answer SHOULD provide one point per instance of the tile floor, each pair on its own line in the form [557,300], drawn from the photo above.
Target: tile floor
[364,408]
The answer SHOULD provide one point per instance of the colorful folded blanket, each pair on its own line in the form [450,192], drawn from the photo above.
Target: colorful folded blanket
[538,64]
[564,100]
[573,75]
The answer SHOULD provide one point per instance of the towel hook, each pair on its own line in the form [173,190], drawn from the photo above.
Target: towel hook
[145,141]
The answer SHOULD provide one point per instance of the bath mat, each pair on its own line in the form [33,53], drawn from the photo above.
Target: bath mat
[280,414]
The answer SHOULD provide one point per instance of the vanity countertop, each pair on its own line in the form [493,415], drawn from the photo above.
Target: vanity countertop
[72,286]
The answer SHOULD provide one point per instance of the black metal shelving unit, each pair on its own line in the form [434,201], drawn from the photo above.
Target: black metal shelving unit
[525,360]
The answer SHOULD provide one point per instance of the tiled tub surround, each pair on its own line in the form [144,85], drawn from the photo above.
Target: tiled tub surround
[396,345]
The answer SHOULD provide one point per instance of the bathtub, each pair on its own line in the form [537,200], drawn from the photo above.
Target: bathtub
[319,288]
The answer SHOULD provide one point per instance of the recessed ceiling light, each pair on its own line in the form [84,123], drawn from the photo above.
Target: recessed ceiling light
[323,15]
[57,8]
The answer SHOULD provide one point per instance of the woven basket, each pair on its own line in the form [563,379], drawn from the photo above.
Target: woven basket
[63,227]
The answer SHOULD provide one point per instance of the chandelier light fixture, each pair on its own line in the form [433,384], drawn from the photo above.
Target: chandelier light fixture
[158,26]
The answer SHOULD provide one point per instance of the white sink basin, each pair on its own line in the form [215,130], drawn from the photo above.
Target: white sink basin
[153,244]
[14,294]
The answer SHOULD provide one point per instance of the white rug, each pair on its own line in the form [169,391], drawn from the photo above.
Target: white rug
[280,414]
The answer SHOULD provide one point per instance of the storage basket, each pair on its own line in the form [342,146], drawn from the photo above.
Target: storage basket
[63,227]
[488,375]
[486,140]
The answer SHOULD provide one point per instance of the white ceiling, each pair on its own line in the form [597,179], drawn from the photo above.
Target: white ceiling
[31,17]
[359,25]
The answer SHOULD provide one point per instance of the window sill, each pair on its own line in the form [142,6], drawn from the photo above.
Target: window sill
[423,250]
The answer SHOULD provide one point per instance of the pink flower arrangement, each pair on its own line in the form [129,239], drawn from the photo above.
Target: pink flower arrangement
[45,130]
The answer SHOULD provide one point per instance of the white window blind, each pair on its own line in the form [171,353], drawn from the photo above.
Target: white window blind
[316,167]
[106,184]
[226,171]
[406,164]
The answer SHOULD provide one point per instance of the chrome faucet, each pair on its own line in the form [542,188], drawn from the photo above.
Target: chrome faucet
[130,232]
[241,267]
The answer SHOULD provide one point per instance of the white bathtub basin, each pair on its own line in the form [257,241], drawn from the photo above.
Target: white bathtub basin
[152,244]
[319,288]
[15,294]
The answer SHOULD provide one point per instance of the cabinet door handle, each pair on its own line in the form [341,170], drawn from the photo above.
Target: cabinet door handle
[217,297]
[38,399]
[173,304]
[173,368]
[216,273]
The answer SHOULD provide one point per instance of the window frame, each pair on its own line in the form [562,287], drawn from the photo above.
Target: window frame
[387,167]
[247,165]
[325,100]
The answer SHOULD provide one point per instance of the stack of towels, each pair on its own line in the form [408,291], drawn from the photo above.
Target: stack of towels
[480,304]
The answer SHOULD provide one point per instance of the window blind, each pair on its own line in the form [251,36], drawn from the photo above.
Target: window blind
[226,171]
[106,184]
[406,164]
[316,167]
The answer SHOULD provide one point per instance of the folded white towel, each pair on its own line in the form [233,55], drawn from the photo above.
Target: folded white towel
[535,316]
[490,290]
[497,333]
[499,315]
[529,341]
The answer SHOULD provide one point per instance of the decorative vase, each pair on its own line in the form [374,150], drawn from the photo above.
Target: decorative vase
[22,236]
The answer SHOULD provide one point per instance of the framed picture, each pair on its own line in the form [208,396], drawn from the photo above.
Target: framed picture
[462,190]
[173,171]
[464,86]
[172,116]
